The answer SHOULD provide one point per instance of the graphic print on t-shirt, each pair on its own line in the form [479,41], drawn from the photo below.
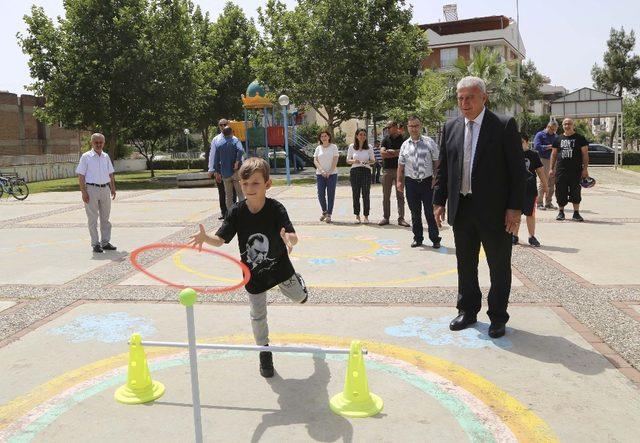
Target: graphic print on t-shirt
[256,253]
[261,246]
[532,163]
[566,148]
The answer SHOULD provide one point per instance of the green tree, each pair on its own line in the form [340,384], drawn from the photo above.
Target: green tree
[89,67]
[430,104]
[330,54]
[619,74]
[532,80]
[631,118]
[503,85]
[223,49]
[531,124]
[169,84]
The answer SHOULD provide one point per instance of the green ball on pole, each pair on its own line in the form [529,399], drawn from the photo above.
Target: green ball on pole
[188,297]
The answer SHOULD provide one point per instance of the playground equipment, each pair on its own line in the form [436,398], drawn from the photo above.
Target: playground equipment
[355,401]
[266,132]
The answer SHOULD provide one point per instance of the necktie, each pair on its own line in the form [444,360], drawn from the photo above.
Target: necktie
[465,188]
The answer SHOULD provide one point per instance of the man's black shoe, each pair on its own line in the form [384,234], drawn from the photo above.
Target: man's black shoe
[266,364]
[514,239]
[98,249]
[462,321]
[416,243]
[560,216]
[497,330]
[109,247]
[221,217]
[577,217]
[533,241]
[436,244]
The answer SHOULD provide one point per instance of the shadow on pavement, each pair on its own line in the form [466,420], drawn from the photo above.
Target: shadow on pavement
[559,249]
[554,349]
[306,401]
[110,255]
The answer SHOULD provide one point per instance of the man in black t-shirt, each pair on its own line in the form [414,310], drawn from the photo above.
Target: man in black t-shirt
[265,238]
[569,164]
[390,149]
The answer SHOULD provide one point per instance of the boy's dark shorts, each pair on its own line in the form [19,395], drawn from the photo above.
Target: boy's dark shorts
[529,205]
[568,189]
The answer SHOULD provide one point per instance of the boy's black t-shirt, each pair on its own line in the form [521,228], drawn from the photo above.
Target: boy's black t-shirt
[532,162]
[261,247]
[569,154]
[391,143]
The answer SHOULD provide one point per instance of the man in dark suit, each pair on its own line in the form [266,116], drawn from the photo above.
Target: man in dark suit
[482,178]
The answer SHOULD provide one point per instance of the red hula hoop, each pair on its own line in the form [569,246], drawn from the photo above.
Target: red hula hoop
[246,274]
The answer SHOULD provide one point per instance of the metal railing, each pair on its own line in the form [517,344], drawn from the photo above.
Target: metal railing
[42,159]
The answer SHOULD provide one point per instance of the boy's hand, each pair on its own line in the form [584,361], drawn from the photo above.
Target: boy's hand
[286,240]
[199,238]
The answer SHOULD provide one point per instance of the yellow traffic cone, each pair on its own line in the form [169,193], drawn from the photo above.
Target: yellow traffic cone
[139,388]
[355,401]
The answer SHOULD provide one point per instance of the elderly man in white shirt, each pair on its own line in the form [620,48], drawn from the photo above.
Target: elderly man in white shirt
[417,165]
[98,187]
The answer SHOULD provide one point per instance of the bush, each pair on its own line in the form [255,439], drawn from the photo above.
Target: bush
[630,158]
[180,163]
[309,131]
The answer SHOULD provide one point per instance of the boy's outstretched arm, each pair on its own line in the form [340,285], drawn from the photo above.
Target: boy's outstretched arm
[202,237]
[290,239]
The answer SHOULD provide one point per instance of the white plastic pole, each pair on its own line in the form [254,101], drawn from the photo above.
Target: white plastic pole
[195,385]
[295,349]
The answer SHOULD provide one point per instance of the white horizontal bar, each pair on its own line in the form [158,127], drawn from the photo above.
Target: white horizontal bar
[299,349]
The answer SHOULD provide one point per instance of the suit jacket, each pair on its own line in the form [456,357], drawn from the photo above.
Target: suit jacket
[498,172]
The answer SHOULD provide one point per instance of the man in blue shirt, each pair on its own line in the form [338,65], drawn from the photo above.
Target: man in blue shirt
[227,161]
[542,143]
[217,140]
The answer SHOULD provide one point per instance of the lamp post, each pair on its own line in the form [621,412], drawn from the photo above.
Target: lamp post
[284,102]
[186,137]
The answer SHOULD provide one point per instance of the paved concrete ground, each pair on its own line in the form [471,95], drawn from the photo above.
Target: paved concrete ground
[567,367]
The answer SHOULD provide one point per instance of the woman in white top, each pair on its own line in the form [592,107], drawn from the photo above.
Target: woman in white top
[360,156]
[325,158]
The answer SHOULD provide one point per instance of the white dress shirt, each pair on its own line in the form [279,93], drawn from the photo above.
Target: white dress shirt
[417,157]
[477,124]
[95,168]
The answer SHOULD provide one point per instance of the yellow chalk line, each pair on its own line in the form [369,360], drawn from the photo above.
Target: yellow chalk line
[525,425]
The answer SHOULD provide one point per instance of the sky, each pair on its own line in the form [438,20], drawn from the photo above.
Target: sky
[563,43]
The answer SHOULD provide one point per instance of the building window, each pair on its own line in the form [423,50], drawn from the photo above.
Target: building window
[448,57]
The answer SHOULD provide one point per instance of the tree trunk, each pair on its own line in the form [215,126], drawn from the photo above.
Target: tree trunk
[150,166]
[375,128]
[205,146]
[112,145]
[613,132]
[330,122]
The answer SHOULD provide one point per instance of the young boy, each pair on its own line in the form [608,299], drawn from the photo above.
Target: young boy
[534,166]
[265,238]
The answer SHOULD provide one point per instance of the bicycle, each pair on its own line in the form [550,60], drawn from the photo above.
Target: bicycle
[14,185]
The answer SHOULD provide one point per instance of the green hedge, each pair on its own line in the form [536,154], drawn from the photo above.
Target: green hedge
[631,158]
[180,163]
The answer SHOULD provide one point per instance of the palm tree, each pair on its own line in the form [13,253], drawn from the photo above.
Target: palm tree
[503,84]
